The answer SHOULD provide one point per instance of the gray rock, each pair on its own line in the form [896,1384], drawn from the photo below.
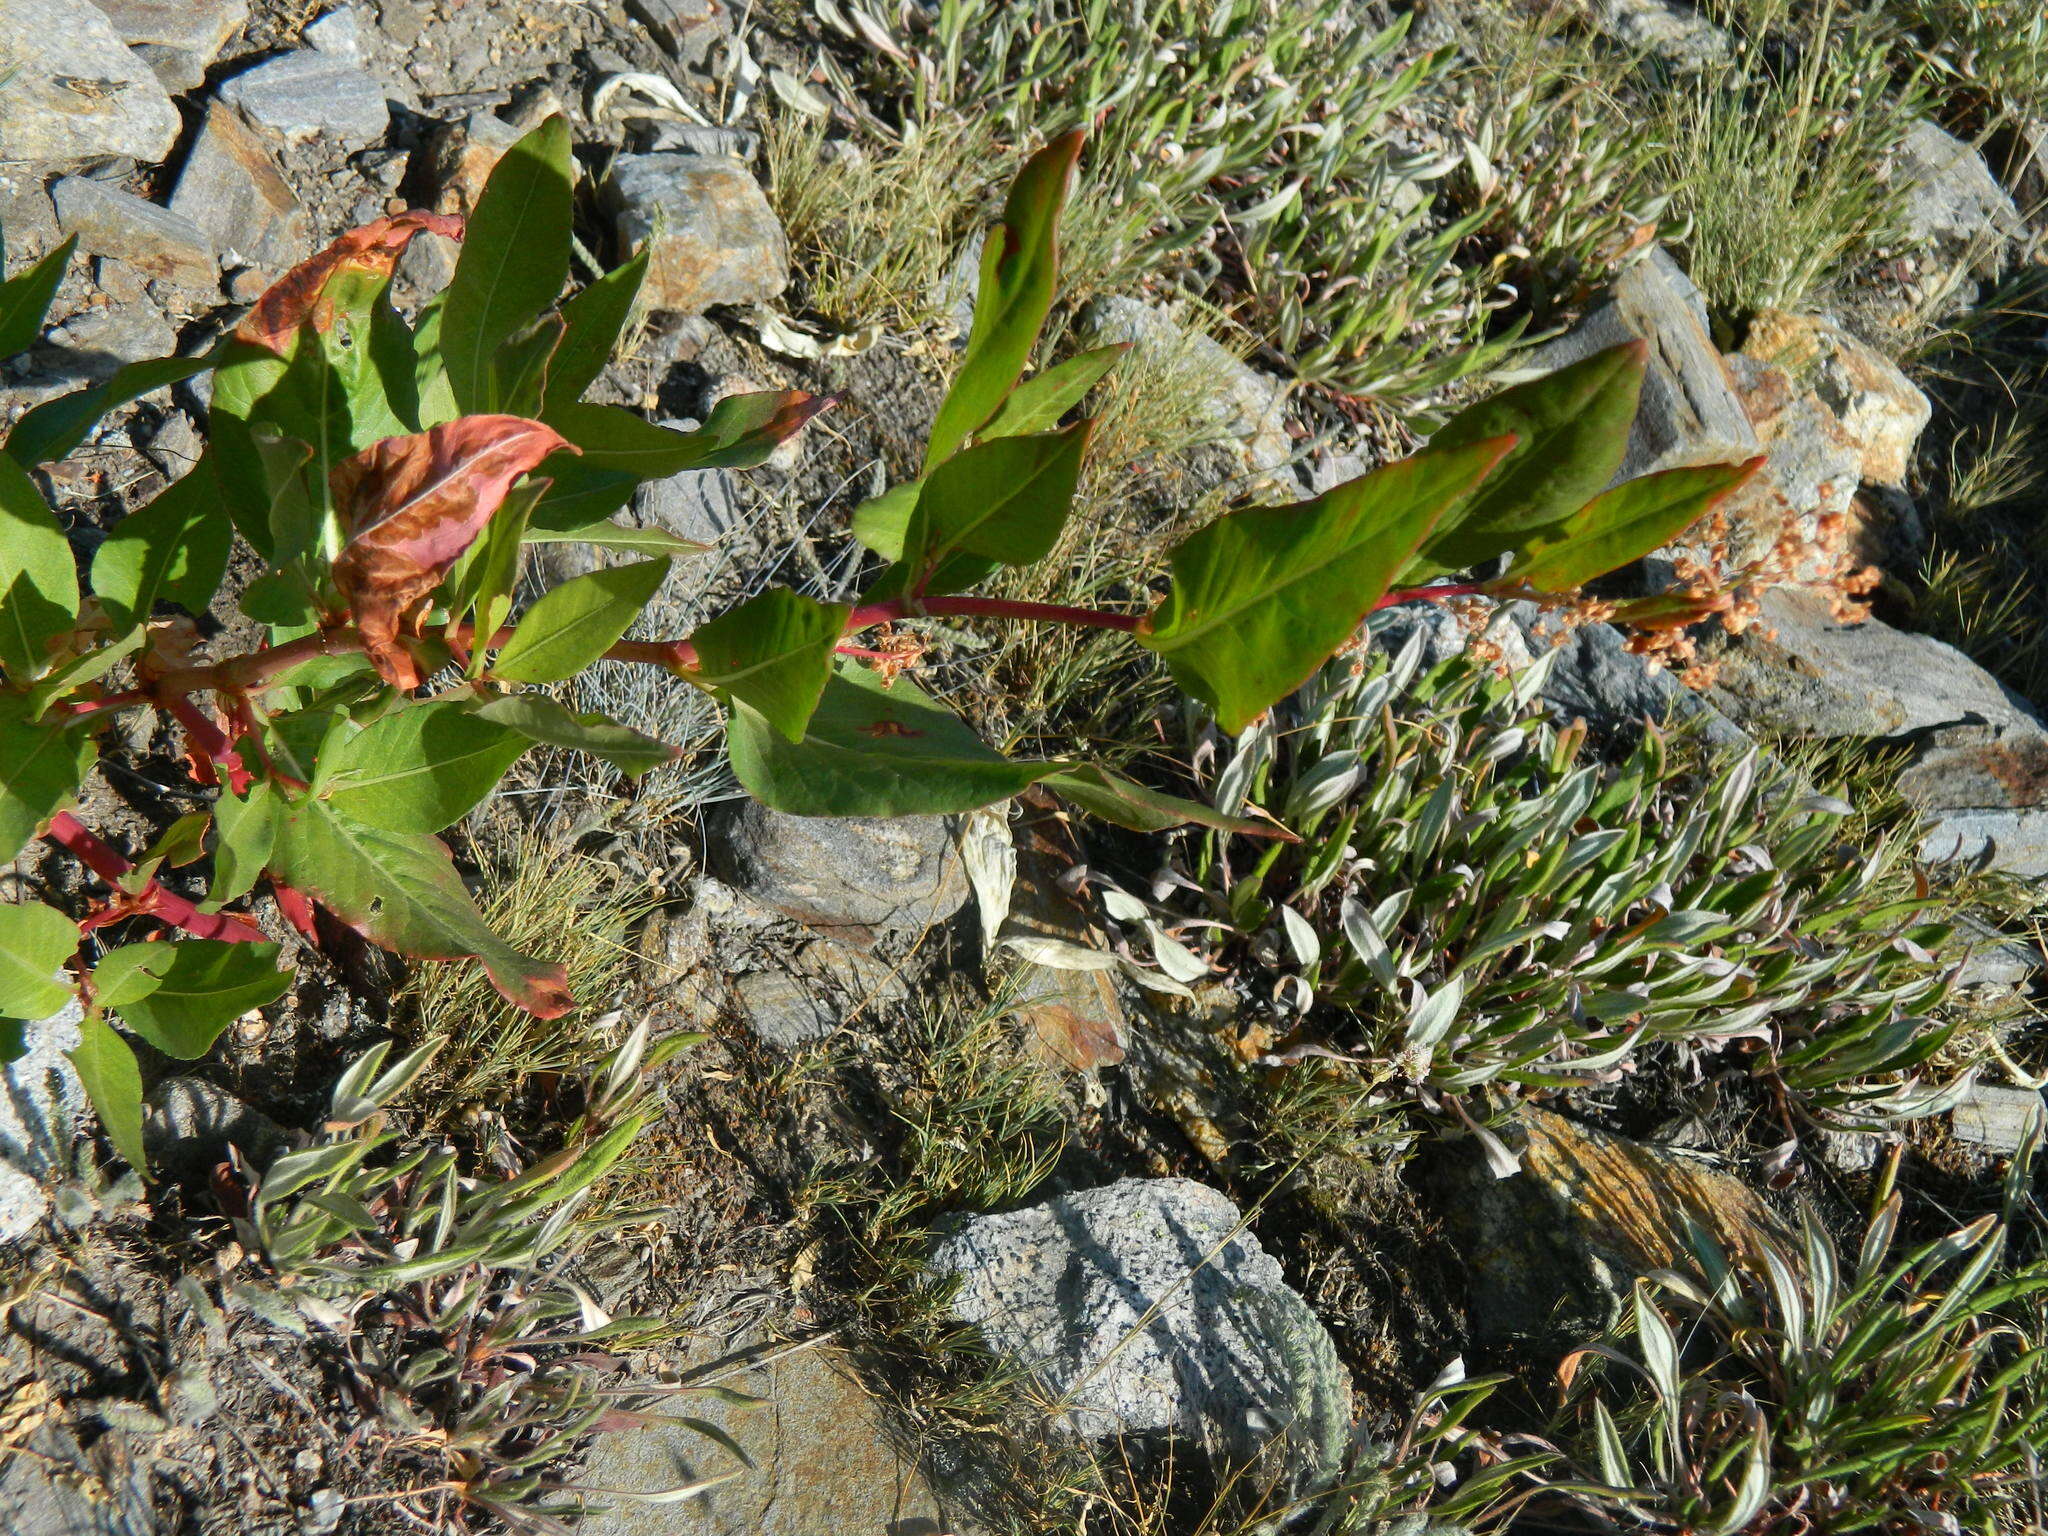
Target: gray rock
[152,239]
[1954,205]
[698,504]
[1596,678]
[191,1123]
[178,38]
[339,32]
[1667,29]
[727,957]
[825,1459]
[1996,1118]
[88,348]
[311,95]
[686,30]
[1141,1308]
[51,1485]
[1995,960]
[860,879]
[1690,413]
[1799,671]
[42,1104]
[75,91]
[2012,840]
[1240,403]
[735,144]
[713,237]
[231,189]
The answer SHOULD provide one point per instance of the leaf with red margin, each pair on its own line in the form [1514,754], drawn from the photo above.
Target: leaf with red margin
[401,890]
[296,297]
[411,506]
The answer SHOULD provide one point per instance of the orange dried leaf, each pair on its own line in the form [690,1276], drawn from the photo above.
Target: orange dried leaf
[411,506]
[295,298]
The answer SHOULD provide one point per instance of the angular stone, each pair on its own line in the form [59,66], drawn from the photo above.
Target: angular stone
[311,95]
[191,1124]
[231,188]
[1690,413]
[825,1459]
[1984,794]
[339,32]
[1556,1246]
[1674,32]
[713,237]
[1997,1118]
[686,30]
[1954,205]
[75,91]
[464,155]
[727,957]
[1142,1308]
[1994,959]
[1240,402]
[1876,405]
[179,38]
[1800,671]
[90,347]
[41,1105]
[699,139]
[860,879]
[152,239]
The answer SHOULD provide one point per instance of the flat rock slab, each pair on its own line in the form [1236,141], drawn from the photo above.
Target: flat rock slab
[1803,672]
[713,239]
[1554,1247]
[311,95]
[1142,1307]
[825,1460]
[178,38]
[150,238]
[1954,205]
[858,879]
[231,189]
[76,91]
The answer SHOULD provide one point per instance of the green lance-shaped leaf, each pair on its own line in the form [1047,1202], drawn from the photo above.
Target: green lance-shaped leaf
[524,362]
[515,259]
[774,653]
[245,832]
[1038,403]
[1624,524]
[35,941]
[417,769]
[1262,598]
[1002,502]
[593,322]
[873,751]
[541,719]
[173,550]
[41,765]
[401,890]
[576,623]
[106,1067]
[620,450]
[180,996]
[1571,429]
[38,579]
[1019,275]
[25,299]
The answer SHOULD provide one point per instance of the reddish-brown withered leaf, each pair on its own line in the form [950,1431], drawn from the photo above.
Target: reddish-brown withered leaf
[411,506]
[294,298]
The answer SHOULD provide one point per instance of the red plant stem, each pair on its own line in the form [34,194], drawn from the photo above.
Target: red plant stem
[1429,594]
[68,832]
[210,744]
[989,608]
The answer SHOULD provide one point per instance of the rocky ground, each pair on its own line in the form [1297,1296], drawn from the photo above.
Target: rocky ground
[965,1208]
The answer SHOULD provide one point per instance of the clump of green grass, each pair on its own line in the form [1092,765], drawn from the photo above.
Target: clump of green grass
[1891,1393]
[1773,157]
[542,894]
[874,232]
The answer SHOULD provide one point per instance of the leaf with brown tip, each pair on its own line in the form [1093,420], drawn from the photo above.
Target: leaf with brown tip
[411,506]
[296,297]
